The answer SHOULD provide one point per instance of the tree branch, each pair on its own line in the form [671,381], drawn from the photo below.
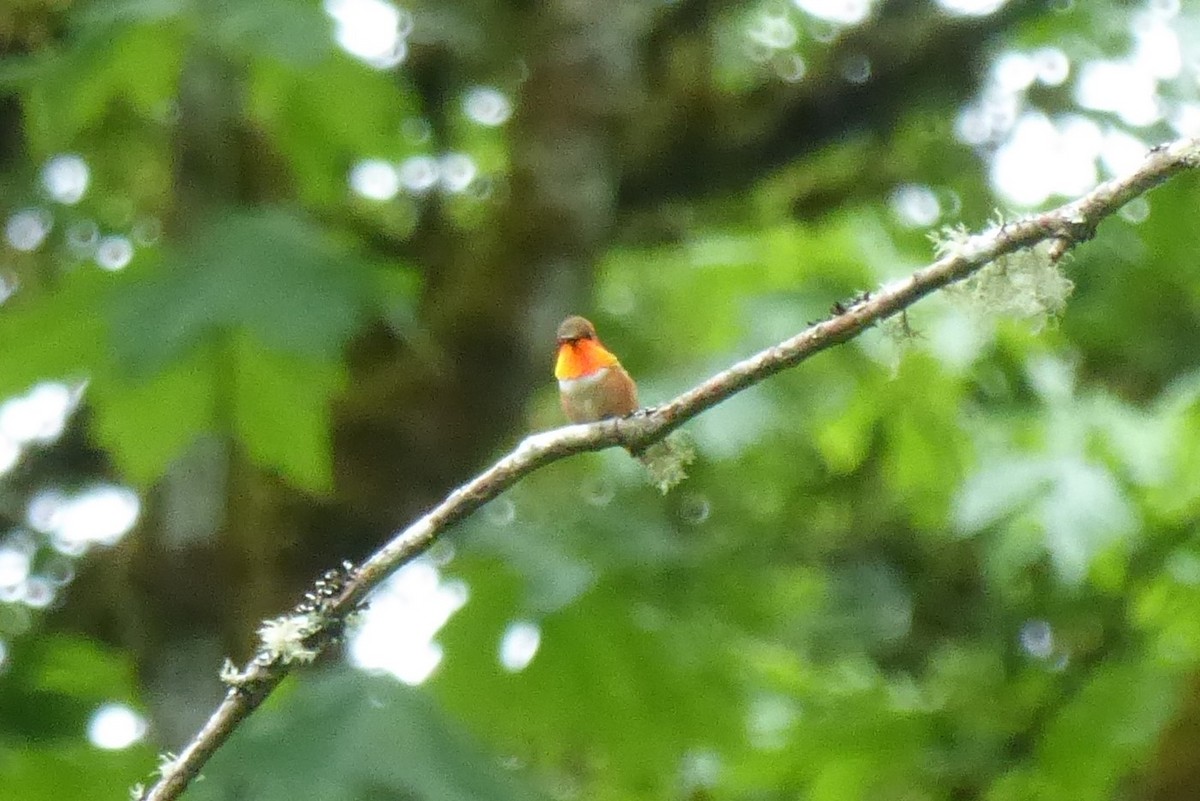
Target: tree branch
[321,618]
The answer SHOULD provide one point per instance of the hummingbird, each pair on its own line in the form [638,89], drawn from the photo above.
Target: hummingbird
[592,384]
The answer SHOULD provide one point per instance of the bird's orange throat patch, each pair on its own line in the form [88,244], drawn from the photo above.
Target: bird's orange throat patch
[581,357]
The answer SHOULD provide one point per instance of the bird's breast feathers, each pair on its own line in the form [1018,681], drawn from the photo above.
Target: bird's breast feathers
[607,392]
[585,393]
[583,383]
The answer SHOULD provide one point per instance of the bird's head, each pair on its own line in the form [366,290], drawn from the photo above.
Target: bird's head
[580,353]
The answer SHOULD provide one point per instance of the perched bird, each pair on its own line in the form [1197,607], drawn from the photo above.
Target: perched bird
[591,382]
[593,385]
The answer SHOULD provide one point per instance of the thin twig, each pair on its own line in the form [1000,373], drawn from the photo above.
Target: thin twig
[1062,228]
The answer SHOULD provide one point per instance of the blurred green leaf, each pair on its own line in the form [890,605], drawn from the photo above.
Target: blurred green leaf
[276,404]
[326,117]
[347,736]
[1108,729]
[52,773]
[293,31]
[281,408]
[961,568]
[54,683]
[609,686]
[842,780]
[147,424]
[1003,488]
[267,272]
[1078,506]
[58,334]
[130,66]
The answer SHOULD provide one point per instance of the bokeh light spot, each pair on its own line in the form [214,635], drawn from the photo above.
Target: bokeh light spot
[417,130]
[769,721]
[1121,88]
[519,645]
[65,178]
[28,228]
[115,726]
[1052,66]
[915,206]
[700,768]
[1014,71]
[147,231]
[1042,159]
[856,68]
[790,67]
[100,515]
[396,632]
[501,512]
[972,8]
[375,179]
[14,566]
[82,238]
[1122,152]
[487,106]
[37,592]
[694,509]
[1136,211]
[1037,639]
[419,174]
[840,12]
[457,171]
[114,253]
[773,31]
[598,491]
[38,416]
[374,31]
[10,454]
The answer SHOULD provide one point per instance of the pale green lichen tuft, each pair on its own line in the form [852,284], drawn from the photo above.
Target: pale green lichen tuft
[284,638]
[898,330]
[1027,284]
[231,675]
[666,462]
[950,240]
[168,763]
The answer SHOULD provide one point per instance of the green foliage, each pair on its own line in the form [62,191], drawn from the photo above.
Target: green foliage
[50,773]
[240,334]
[64,678]
[163,415]
[315,116]
[616,693]
[139,70]
[961,565]
[267,273]
[346,736]
[54,685]
[60,334]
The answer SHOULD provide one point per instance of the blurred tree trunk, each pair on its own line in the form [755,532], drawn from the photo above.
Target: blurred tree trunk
[1173,773]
